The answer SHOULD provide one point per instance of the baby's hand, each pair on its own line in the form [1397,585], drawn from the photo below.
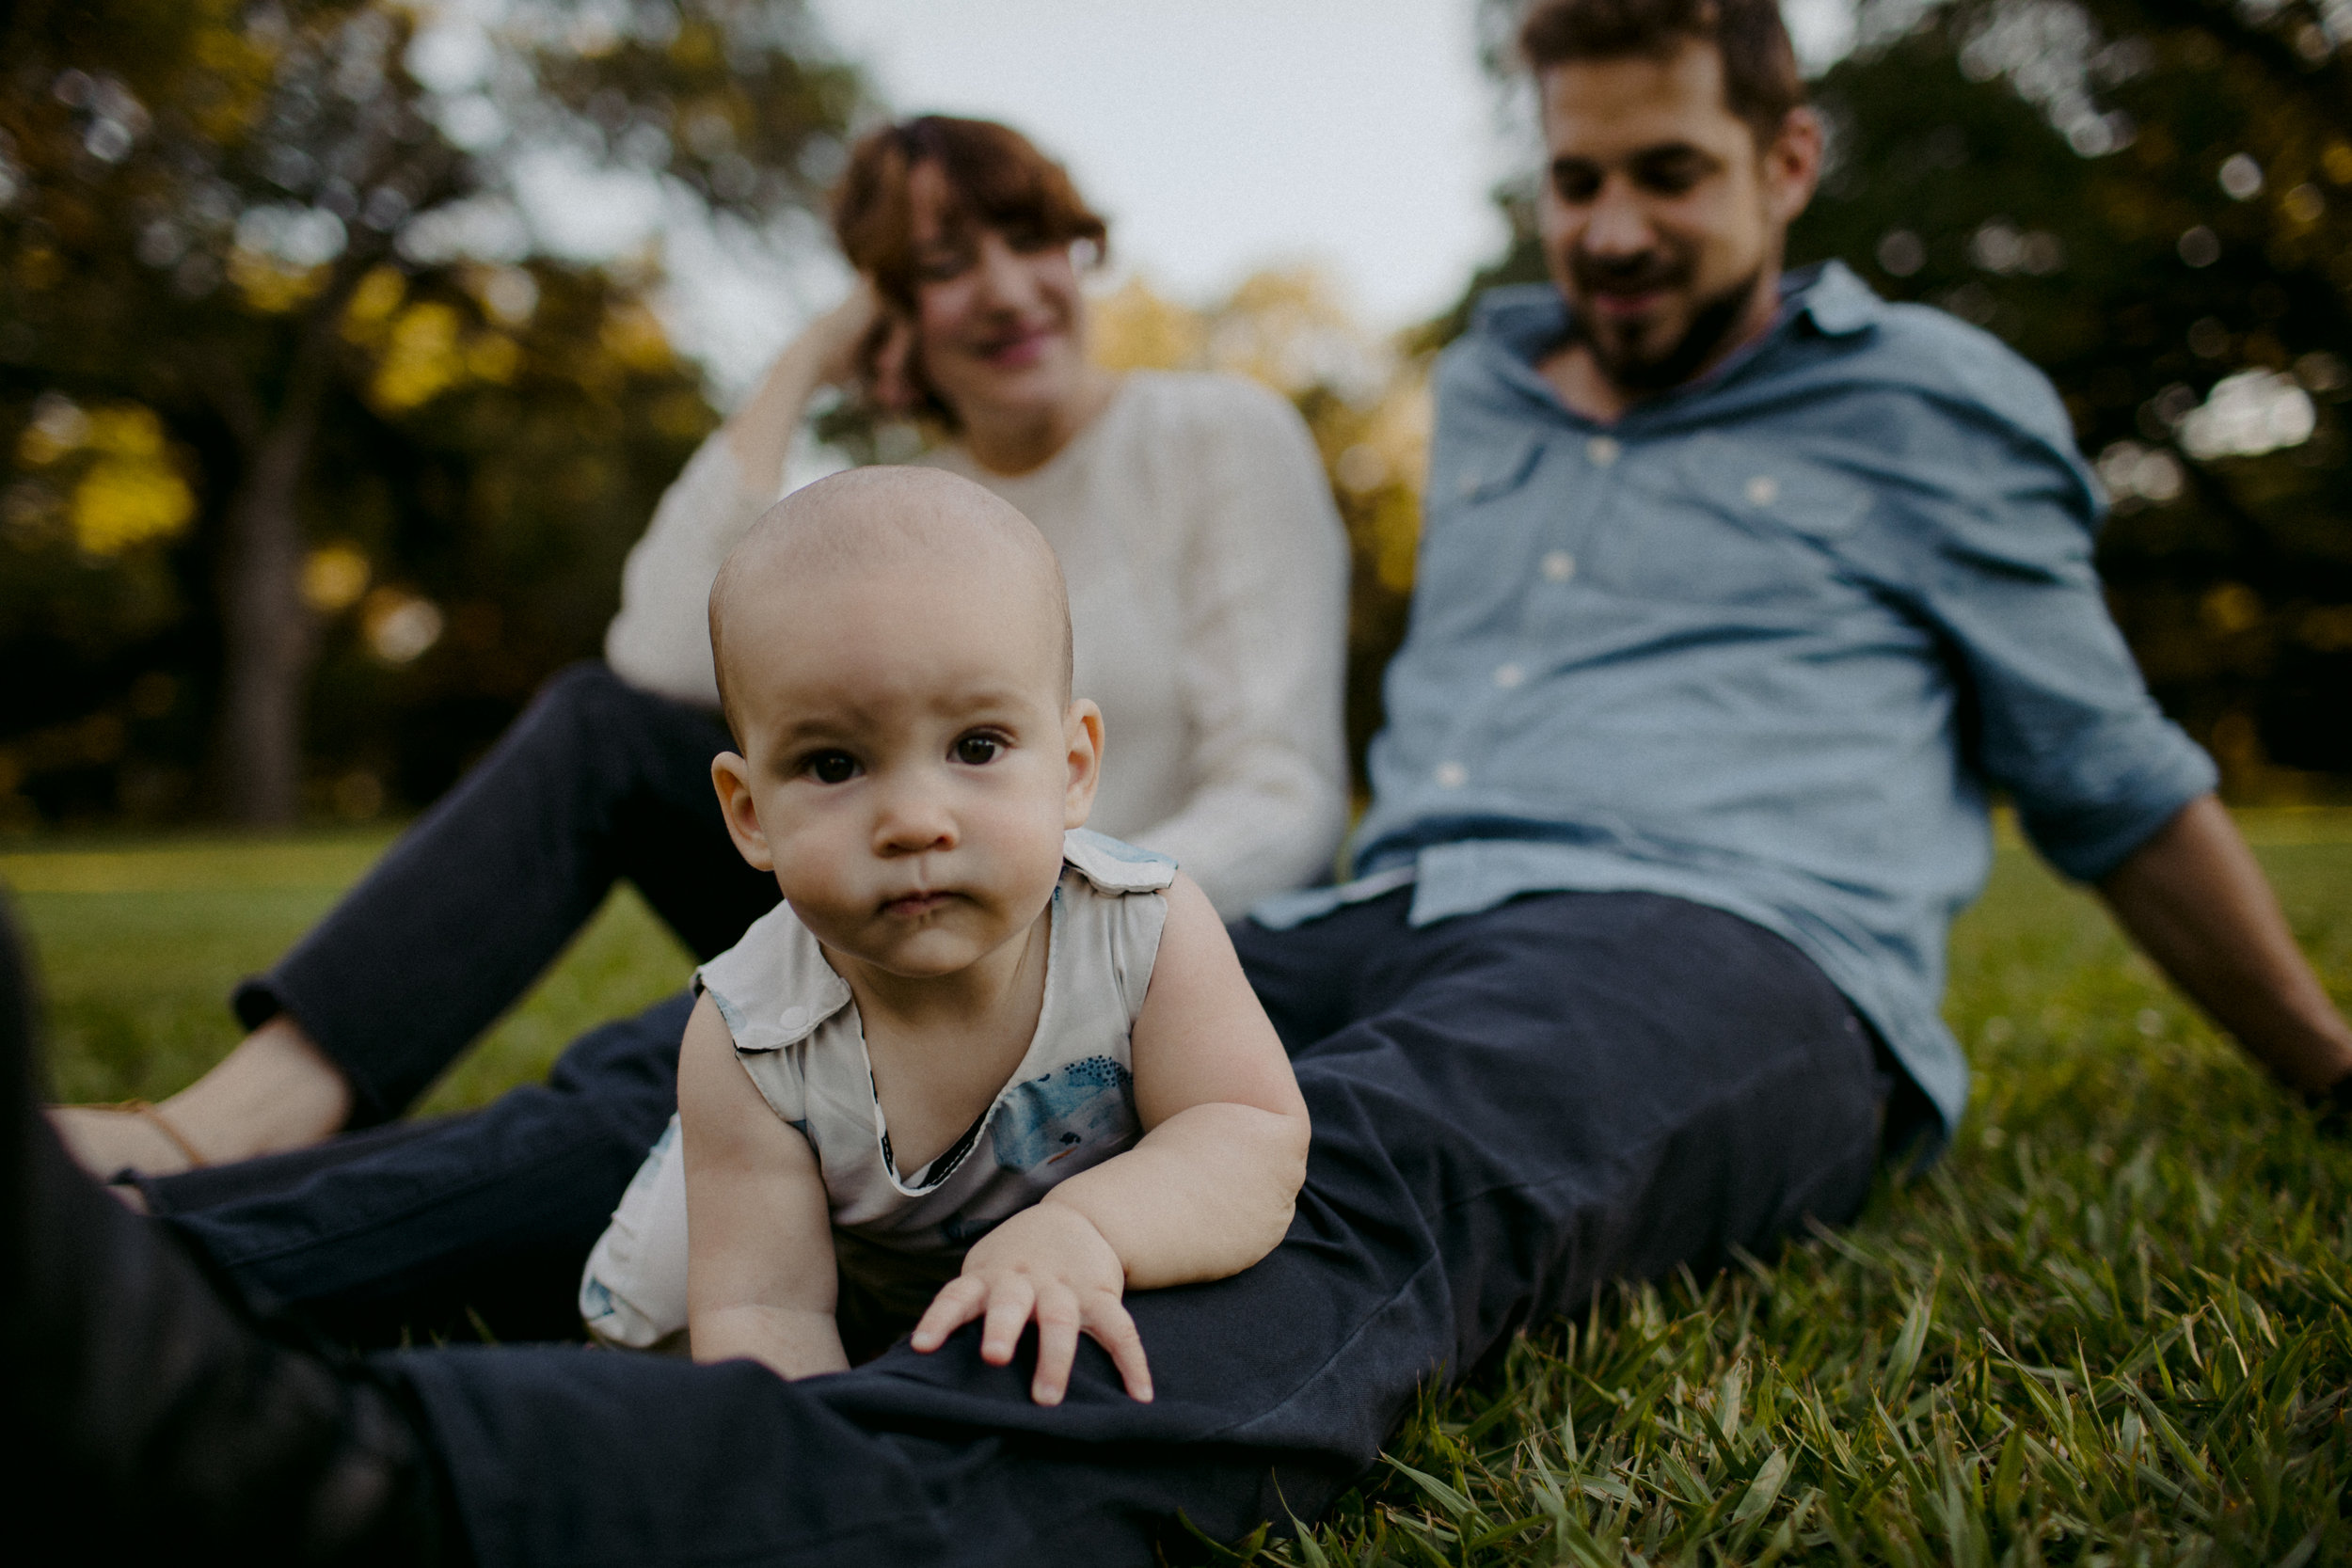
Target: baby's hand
[1051,1264]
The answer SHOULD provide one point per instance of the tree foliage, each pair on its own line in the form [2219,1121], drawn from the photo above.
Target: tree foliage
[299,377]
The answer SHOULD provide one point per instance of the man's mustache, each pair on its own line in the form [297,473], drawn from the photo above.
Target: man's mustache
[1640,272]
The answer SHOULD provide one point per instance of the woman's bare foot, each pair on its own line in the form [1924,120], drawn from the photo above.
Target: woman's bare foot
[275,1091]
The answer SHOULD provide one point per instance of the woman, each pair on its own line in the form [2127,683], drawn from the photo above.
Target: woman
[1206,570]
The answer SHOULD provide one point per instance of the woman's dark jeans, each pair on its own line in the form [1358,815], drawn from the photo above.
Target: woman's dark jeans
[401,1230]
[595,782]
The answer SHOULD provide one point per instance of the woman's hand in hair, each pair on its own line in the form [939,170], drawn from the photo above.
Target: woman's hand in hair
[886,360]
[864,345]
[836,344]
[861,345]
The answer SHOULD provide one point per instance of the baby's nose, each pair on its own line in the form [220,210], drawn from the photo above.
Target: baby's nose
[913,818]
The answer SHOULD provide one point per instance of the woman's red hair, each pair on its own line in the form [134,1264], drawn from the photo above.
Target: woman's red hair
[996,179]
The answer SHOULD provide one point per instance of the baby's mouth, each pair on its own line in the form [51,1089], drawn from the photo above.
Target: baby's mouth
[914,906]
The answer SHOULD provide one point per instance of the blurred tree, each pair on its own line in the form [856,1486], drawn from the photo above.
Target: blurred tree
[2152,200]
[282,339]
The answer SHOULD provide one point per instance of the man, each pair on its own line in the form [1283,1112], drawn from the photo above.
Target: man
[1739,595]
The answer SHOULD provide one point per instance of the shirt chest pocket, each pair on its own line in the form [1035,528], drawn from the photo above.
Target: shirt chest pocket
[1473,517]
[1732,523]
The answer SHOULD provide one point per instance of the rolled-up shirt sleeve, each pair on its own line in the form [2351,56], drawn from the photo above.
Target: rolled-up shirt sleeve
[1265,592]
[661,639]
[2002,538]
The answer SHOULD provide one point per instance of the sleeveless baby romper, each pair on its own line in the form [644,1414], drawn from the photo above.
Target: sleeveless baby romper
[900,1236]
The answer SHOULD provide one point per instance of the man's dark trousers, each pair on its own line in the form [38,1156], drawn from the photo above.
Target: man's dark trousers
[1511,1109]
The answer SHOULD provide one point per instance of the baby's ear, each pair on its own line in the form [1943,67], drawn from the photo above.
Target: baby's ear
[731,776]
[1082,734]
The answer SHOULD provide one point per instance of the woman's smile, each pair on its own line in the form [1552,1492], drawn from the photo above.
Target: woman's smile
[1018,349]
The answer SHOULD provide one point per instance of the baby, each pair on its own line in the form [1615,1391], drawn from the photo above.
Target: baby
[984,1063]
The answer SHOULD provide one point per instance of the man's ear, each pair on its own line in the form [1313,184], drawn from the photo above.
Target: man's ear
[731,776]
[1792,165]
[1082,734]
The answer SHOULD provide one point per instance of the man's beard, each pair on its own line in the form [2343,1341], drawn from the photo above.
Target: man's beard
[1637,368]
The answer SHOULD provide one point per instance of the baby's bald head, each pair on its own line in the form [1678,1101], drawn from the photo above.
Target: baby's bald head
[916,525]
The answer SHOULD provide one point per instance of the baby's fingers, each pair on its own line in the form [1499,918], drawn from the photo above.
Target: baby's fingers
[1115,1331]
[959,1302]
[1057,1324]
[1008,1307]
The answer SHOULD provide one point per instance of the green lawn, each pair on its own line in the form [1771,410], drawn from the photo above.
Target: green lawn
[2113,1326]
[140,944]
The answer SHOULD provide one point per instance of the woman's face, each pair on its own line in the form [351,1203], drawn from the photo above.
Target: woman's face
[1000,325]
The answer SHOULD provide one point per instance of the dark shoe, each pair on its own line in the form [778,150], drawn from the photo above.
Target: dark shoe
[154,1417]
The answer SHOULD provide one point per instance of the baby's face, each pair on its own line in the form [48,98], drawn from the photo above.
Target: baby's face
[912,763]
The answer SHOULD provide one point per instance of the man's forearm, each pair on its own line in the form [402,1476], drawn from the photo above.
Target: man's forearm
[2195,899]
[1206,1194]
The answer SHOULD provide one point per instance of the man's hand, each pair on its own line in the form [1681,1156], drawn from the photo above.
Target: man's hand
[1049,1264]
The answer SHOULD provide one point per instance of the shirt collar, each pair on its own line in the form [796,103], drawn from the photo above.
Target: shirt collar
[1836,302]
[1526,321]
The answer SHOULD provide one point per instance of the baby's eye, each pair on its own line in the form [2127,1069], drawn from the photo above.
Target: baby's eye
[830,768]
[978,750]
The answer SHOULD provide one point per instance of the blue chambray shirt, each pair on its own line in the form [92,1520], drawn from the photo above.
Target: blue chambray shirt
[1766,644]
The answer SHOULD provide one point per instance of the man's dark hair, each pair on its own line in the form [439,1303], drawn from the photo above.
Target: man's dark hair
[1760,80]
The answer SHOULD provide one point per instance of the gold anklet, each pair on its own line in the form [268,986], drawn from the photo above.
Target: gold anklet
[153,1114]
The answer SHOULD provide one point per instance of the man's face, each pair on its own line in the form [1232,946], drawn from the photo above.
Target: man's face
[1661,221]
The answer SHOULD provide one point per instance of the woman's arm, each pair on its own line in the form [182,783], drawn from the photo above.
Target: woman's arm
[661,639]
[760,1272]
[827,354]
[1264,585]
[1208,1191]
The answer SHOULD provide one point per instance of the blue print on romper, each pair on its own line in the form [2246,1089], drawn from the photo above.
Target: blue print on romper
[1077,1103]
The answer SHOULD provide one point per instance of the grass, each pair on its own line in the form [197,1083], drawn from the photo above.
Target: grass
[139,945]
[2113,1326]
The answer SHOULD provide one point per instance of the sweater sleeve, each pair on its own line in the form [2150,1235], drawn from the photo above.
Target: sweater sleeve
[661,639]
[1264,644]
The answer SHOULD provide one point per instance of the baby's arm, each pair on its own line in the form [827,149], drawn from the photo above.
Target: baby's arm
[1207,1192]
[760,1272]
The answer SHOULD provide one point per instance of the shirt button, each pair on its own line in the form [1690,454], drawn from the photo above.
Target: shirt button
[793,1018]
[1509,676]
[1763,490]
[1451,775]
[1559,566]
[1602,451]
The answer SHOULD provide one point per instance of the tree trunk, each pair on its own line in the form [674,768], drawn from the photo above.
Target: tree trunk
[257,739]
